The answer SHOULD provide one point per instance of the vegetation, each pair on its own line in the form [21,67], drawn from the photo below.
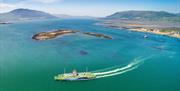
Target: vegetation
[146,15]
[24,14]
[170,30]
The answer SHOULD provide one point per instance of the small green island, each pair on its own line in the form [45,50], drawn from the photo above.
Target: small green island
[60,32]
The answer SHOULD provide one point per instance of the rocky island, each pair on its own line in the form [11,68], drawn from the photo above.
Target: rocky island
[51,34]
[60,32]
[98,35]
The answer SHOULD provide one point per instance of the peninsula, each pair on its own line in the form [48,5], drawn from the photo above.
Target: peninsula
[162,23]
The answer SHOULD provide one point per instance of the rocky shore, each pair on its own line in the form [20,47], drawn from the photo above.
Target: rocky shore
[53,34]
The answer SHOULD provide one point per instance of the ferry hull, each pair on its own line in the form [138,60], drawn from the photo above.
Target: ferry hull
[79,77]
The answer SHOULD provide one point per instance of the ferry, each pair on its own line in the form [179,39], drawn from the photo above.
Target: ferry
[75,76]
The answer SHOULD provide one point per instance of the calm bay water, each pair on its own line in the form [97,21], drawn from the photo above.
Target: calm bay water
[29,65]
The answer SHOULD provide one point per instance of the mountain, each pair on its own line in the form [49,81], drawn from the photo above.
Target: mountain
[145,15]
[24,14]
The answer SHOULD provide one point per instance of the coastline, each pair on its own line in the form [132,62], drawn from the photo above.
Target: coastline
[170,31]
[156,31]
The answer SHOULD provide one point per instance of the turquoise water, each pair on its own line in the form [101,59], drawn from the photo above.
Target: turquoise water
[29,65]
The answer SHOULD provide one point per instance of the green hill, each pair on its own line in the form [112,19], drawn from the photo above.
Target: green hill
[145,15]
[24,14]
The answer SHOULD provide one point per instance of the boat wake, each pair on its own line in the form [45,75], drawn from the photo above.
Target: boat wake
[120,70]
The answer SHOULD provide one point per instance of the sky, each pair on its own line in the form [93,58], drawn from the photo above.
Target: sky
[97,8]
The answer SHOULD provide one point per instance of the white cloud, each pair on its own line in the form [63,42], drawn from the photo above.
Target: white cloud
[32,4]
[46,1]
[40,1]
[6,7]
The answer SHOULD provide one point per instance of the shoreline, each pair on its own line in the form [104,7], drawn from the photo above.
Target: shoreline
[156,31]
[166,31]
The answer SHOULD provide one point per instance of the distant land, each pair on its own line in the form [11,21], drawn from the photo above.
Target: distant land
[63,16]
[24,14]
[28,14]
[157,22]
[146,16]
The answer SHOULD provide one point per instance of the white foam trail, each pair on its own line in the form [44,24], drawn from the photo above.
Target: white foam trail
[117,73]
[105,69]
[133,65]
[136,62]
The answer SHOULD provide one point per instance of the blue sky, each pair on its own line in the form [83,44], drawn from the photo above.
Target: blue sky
[91,7]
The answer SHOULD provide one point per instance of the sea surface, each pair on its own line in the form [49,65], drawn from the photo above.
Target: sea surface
[128,62]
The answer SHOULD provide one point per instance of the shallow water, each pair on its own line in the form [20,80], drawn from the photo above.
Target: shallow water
[29,65]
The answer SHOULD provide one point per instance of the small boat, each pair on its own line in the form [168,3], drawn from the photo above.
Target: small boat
[145,36]
[74,76]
